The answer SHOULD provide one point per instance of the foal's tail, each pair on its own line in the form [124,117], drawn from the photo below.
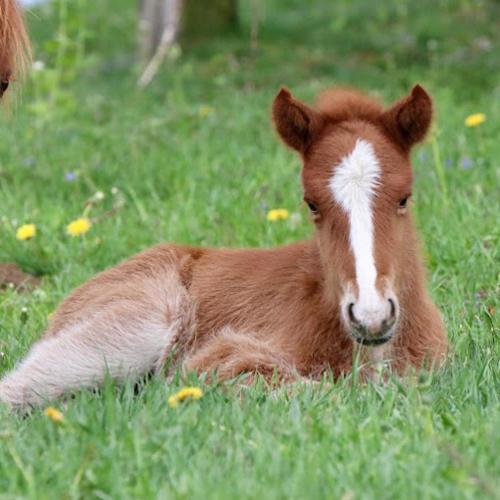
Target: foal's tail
[15,52]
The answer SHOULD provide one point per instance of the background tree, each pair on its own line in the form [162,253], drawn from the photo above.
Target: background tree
[162,22]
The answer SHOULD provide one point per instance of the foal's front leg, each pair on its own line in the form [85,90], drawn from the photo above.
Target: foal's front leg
[230,353]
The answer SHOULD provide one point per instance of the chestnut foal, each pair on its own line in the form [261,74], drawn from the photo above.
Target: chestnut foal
[292,311]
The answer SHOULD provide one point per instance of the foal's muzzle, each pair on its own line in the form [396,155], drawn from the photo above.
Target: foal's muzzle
[373,324]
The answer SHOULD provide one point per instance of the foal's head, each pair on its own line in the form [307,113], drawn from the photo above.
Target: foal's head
[14,45]
[357,181]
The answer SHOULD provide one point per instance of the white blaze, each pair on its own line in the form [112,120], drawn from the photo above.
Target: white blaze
[353,185]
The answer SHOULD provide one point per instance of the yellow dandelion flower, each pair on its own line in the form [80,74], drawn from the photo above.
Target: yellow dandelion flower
[475,120]
[26,232]
[54,414]
[205,110]
[277,214]
[78,226]
[183,394]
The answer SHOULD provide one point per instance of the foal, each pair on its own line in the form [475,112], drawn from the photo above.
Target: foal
[292,311]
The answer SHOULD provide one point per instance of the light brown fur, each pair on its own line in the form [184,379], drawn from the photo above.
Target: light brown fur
[270,311]
[14,44]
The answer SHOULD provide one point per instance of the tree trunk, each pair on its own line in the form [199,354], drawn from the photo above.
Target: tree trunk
[204,18]
[198,19]
[161,22]
[154,18]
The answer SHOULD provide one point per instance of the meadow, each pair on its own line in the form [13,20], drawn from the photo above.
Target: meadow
[193,159]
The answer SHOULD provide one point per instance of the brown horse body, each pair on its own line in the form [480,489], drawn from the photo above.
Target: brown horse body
[357,287]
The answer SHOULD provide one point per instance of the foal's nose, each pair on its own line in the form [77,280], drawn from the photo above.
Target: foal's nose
[373,321]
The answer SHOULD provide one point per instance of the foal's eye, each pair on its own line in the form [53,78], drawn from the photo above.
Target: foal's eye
[312,207]
[402,205]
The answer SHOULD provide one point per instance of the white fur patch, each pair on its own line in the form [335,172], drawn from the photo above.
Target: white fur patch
[122,339]
[353,185]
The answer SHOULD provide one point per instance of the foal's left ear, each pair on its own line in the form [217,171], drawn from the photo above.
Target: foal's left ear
[295,122]
[408,120]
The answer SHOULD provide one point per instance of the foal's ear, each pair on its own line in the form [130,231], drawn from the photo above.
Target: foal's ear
[408,120]
[295,122]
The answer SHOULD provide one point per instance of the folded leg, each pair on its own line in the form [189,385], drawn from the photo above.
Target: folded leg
[122,335]
[230,353]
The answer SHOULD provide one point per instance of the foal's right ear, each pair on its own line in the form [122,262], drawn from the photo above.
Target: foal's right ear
[295,122]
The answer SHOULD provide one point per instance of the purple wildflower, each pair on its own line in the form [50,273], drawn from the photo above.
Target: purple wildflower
[466,163]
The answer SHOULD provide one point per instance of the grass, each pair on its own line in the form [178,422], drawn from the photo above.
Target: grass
[195,161]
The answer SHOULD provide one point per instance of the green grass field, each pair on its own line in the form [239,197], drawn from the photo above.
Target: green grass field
[194,159]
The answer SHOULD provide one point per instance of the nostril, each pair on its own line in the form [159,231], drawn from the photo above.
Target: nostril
[351,313]
[393,308]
